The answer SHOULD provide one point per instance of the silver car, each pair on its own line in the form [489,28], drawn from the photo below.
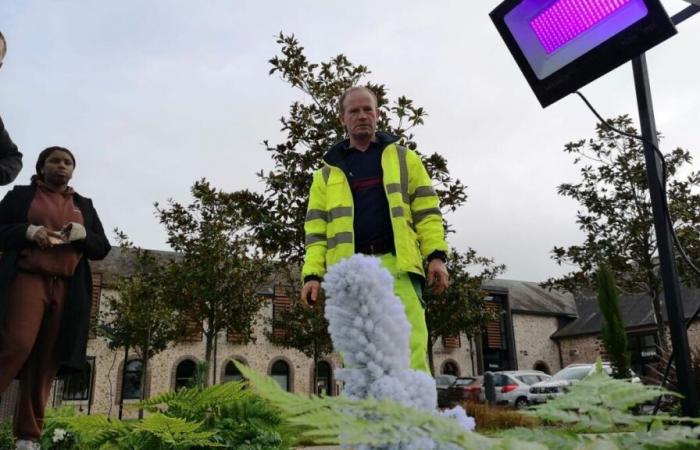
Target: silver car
[512,386]
[558,384]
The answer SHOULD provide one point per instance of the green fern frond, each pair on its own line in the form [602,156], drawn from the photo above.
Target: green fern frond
[94,431]
[676,438]
[193,403]
[323,420]
[176,432]
[599,403]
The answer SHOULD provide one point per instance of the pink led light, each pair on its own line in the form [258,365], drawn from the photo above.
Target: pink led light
[565,20]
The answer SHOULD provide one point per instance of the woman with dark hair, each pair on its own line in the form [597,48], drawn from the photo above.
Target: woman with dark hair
[47,233]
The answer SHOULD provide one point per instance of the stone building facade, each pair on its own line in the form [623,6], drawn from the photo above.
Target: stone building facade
[580,341]
[533,347]
[528,316]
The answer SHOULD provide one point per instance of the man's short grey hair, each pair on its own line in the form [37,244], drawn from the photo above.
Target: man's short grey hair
[347,92]
[3,46]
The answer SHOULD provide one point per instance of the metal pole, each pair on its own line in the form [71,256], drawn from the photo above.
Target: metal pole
[685,14]
[669,275]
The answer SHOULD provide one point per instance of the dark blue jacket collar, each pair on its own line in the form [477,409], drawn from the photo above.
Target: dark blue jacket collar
[334,156]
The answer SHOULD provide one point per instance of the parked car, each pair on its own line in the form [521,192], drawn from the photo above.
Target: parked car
[464,389]
[442,384]
[512,386]
[558,384]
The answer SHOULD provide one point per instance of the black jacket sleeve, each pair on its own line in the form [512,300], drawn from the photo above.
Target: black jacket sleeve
[10,157]
[95,246]
[12,233]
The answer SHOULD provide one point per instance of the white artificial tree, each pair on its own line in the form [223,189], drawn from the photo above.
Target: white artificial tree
[369,327]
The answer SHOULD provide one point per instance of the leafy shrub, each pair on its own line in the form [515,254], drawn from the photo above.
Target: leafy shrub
[222,416]
[7,441]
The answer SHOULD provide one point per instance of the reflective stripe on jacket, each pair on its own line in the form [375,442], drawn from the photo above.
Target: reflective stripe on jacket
[415,214]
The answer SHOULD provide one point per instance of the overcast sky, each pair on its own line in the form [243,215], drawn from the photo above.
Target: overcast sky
[154,95]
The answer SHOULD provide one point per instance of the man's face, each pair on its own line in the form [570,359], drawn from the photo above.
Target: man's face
[360,114]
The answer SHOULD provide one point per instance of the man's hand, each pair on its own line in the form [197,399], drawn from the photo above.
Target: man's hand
[438,278]
[310,291]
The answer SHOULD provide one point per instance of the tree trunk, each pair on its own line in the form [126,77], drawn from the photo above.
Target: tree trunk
[314,375]
[121,391]
[207,355]
[144,373]
[144,380]
[213,366]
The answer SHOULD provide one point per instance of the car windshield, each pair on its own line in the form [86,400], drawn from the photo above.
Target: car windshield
[464,381]
[529,379]
[444,380]
[572,373]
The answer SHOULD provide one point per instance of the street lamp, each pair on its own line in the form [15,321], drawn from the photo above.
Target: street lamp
[562,45]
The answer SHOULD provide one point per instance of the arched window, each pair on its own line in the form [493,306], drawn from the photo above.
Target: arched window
[324,378]
[231,373]
[280,373]
[184,373]
[78,386]
[450,368]
[542,367]
[131,385]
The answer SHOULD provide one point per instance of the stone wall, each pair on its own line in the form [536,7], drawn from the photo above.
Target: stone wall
[585,349]
[581,349]
[532,341]
[460,356]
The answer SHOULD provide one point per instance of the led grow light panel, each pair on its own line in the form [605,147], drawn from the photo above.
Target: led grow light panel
[552,34]
[565,20]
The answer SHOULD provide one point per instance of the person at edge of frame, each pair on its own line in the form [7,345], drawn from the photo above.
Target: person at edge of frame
[47,234]
[10,157]
[374,196]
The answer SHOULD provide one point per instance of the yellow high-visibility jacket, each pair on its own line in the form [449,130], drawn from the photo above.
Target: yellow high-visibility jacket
[415,213]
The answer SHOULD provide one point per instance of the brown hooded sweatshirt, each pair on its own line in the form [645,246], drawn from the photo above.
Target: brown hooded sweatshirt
[53,210]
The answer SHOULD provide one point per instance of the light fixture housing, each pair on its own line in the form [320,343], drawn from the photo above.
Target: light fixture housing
[562,45]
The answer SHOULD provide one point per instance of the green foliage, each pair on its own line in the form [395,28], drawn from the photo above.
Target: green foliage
[222,416]
[213,282]
[140,317]
[613,331]
[51,425]
[615,214]
[461,308]
[595,414]
[322,420]
[601,404]
[7,440]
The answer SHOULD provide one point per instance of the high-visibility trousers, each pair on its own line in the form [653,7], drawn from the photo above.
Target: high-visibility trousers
[410,291]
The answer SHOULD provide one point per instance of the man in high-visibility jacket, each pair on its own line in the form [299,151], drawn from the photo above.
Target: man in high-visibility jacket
[374,196]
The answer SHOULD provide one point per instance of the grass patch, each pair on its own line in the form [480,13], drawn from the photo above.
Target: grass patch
[497,418]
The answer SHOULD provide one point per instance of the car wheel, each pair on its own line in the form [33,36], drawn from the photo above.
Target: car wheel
[521,403]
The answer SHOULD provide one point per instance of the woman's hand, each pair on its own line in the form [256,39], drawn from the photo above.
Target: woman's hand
[43,237]
[73,232]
